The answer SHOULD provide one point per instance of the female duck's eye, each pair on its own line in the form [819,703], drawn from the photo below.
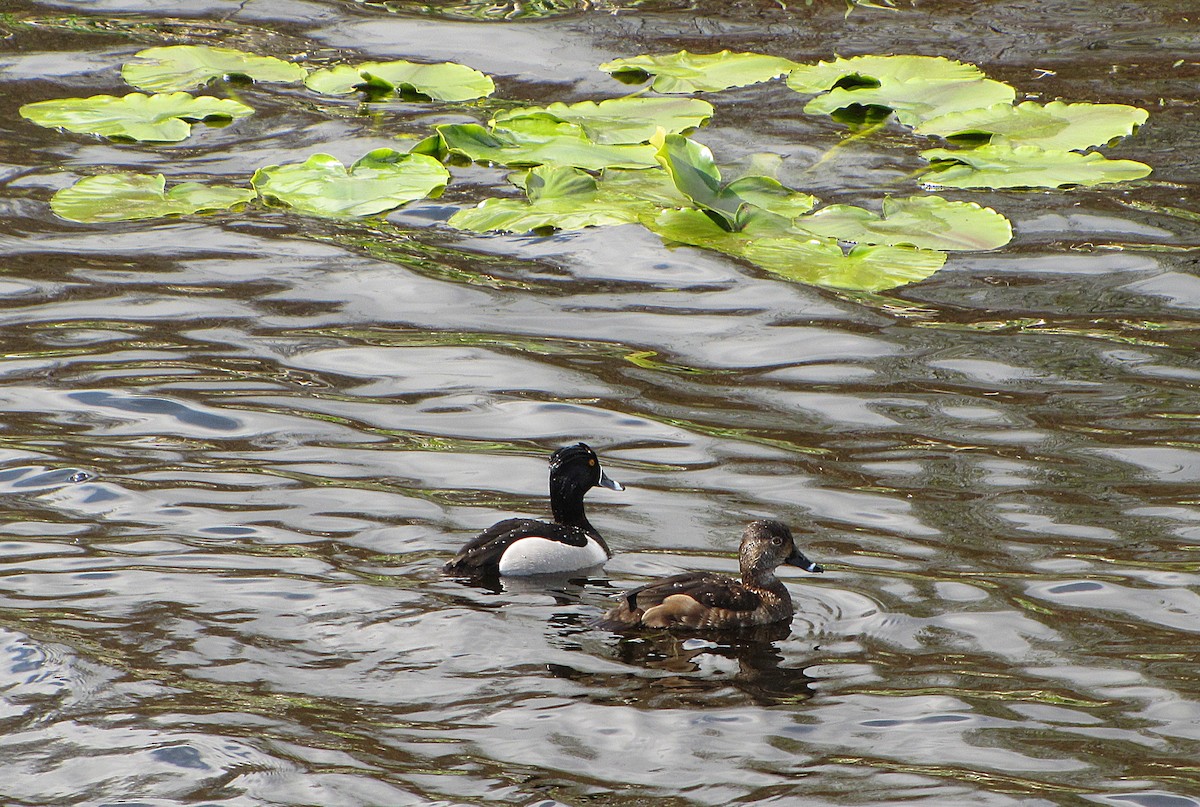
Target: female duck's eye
[777,541]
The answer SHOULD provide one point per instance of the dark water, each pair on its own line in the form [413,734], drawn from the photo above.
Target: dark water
[284,426]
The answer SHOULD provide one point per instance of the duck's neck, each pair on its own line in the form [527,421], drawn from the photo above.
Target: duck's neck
[566,503]
[764,580]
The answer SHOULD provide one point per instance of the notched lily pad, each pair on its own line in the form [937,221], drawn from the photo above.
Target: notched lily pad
[618,120]
[800,256]
[915,88]
[1000,166]
[445,81]
[863,268]
[163,117]
[126,196]
[379,181]
[686,72]
[561,198]
[550,143]
[182,67]
[1051,126]
[928,222]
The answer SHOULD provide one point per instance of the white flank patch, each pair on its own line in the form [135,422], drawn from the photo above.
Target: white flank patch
[535,555]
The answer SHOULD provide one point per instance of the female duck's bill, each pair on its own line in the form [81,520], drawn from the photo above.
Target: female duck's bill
[526,546]
[707,601]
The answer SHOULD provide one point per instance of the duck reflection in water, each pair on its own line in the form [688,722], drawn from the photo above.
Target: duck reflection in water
[718,669]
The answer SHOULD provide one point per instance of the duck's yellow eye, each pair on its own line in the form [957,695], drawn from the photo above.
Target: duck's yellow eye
[591,462]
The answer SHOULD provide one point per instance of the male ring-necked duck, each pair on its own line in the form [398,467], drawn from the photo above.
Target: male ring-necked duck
[708,601]
[523,546]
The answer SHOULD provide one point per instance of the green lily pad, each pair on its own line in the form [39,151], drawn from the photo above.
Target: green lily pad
[695,174]
[162,117]
[126,196]
[559,197]
[685,72]
[877,70]
[445,81]
[1000,166]
[929,222]
[619,120]
[861,269]
[915,88]
[800,256]
[1055,125]
[555,144]
[181,67]
[569,199]
[379,181]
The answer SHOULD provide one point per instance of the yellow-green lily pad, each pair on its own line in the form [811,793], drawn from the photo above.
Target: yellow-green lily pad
[1002,166]
[162,117]
[127,196]
[685,72]
[445,81]
[381,180]
[182,67]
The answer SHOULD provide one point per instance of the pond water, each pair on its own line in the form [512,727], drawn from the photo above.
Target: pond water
[236,449]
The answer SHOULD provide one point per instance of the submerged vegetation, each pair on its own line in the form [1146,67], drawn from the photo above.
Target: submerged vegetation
[630,160]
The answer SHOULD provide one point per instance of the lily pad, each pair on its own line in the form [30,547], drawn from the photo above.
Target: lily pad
[1055,125]
[557,144]
[379,181]
[800,256]
[162,117]
[619,120]
[569,199]
[445,81]
[126,196]
[695,174]
[861,269]
[559,197]
[929,222]
[686,72]
[877,70]
[181,67]
[915,88]
[1001,166]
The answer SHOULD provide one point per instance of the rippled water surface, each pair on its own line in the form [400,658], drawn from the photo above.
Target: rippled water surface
[236,449]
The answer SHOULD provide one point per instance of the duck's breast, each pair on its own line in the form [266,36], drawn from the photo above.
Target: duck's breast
[537,555]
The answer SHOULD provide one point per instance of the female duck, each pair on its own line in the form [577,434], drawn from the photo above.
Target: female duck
[522,546]
[705,600]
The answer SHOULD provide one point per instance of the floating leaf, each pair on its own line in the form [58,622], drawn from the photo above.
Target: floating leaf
[446,81]
[126,196]
[181,67]
[1055,125]
[699,72]
[695,174]
[799,256]
[861,269]
[569,199]
[159,117]
[914,87]
[999,166]
[619,120]
[557,144]
[929,222]
[381,180]
[559,197]
[876,70]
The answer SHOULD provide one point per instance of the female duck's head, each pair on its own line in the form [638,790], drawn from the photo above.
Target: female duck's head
[767,544]
[574,470]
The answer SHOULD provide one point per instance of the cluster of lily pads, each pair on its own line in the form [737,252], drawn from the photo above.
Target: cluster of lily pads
[627,160]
